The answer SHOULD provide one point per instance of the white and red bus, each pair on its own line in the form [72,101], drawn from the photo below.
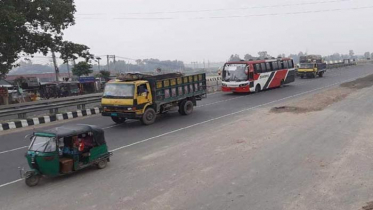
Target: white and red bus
[257,75]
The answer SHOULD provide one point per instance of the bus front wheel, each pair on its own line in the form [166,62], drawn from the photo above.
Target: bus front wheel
[257,89]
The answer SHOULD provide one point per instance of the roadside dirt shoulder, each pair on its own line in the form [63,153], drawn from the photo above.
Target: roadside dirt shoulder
[321,100]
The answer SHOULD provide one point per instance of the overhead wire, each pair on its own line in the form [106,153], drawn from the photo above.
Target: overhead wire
[222,9]
[246,16]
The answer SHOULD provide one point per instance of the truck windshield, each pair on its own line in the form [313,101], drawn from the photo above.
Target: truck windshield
[43,144]
[119,90]
[306,66]
[235,72]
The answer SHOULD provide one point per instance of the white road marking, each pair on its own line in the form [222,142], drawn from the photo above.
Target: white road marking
[6,151]
[217,102]
[207,121]
[12,182]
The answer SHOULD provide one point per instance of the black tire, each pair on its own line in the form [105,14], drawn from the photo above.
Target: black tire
[301,76]
[118,120]
[282,83]
[187,107]
[102,164]
[148,117]
[32,180]
[321,74]
[257,88]
[181,109]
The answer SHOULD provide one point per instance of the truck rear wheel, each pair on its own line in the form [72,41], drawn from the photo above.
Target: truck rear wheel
[181,109]
[188,107]
[148,117]
[118,120]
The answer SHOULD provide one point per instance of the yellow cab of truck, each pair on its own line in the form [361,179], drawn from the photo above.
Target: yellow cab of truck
[138,96]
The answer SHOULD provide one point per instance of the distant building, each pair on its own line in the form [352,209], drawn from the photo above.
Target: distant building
[47,77]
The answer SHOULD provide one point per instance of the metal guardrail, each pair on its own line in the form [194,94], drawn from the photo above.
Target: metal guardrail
[22,109]
[52,105]
[339,65]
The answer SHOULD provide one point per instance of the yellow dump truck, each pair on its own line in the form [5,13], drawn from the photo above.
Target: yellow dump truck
[143,97]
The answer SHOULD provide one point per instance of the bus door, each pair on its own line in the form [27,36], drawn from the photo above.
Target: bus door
[250,70]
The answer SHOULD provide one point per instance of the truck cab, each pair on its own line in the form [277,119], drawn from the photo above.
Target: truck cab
[123,100]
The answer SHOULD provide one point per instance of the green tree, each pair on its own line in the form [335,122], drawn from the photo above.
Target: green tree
[34,26]
[72,51]
[105,74]
[82,68]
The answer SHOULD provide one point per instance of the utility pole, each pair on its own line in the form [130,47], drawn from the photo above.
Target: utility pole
[115,66]
[108,64]
[68,68]
[98,61]
[56,70]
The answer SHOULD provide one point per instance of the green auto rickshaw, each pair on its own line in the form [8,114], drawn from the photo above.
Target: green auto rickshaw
[64,150]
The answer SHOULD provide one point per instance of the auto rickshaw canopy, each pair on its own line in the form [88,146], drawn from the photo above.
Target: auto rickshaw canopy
[73,130]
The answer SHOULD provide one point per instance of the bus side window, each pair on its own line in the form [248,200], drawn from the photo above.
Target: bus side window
[280,65]
[268,67]
[263,65]
[257,69]
[285,64]
[274,66]
[290,64]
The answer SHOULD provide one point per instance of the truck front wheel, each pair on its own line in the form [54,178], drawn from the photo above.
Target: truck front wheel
[118,120]
[321,74]
[148,117]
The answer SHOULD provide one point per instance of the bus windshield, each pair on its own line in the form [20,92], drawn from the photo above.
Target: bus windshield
[306,66]
[235,72]
[119,90]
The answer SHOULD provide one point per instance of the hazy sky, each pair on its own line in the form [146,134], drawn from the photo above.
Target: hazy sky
[182,31]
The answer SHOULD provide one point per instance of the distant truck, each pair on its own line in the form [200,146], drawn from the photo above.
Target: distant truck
[142,97]
[311,66]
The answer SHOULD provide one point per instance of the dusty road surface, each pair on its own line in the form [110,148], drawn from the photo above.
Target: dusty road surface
[271,157]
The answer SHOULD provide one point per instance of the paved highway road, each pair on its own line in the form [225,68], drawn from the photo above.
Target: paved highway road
[127,138]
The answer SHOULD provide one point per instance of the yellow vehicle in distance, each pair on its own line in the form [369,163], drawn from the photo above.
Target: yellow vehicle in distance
[143,97]
[311,66]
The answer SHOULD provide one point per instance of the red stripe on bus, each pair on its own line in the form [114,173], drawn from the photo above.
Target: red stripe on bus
[279,76]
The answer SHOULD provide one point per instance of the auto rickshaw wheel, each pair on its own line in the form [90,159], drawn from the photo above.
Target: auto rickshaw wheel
[118,120]
[32,180]
[102,164]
